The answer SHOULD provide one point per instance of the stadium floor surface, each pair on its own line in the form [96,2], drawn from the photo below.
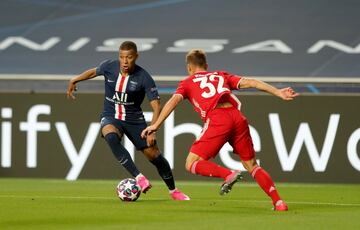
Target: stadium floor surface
[92,204]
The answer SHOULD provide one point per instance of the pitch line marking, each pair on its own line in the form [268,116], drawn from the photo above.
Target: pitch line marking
[218,200]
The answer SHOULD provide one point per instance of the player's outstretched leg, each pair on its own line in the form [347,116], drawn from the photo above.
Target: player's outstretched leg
[143,182]
[230,180]
[211,169]
[208,169]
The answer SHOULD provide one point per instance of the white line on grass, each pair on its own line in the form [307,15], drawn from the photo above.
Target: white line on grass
[254,184]
[308,203]
[57,197]
[218,200]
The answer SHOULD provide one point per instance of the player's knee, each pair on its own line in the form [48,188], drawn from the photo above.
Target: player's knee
[112,138]
[189,164]
[249,165]
[191,159]
[151,153]
[109,128]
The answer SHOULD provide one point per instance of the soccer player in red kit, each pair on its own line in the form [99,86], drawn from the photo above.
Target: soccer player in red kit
[210,94]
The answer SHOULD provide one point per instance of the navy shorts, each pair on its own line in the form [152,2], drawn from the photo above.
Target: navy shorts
[131,130]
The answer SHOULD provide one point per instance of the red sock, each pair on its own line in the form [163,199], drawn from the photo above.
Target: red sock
[210,169]
[266,183]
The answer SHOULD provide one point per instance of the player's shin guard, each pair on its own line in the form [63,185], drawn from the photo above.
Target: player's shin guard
[266,183]
[121,154]
[164,170]
[209,169]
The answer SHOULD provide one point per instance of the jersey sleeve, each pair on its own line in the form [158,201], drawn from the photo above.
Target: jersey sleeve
[100,70]
[233,80]
[181,89]
[150,88]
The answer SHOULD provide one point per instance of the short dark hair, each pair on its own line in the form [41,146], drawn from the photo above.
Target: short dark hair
[128,45]
[196,57]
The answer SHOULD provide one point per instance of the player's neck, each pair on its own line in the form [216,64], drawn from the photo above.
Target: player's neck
[198,70]
[127,73]
[124,74]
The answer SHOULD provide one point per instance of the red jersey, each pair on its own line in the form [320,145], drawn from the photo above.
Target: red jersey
[205,89]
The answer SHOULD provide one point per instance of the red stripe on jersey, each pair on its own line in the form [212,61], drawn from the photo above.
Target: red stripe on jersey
[123,97]
[119,110]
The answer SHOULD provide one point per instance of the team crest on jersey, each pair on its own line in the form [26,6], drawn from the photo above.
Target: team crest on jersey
[132,85]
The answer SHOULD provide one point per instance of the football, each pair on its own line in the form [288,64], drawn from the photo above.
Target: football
[128,190]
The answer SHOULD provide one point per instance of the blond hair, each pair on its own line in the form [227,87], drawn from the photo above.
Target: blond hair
[196,57]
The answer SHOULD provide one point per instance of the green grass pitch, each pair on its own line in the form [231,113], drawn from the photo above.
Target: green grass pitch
[92,204]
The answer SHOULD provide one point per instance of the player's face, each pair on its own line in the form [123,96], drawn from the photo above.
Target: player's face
[127,60]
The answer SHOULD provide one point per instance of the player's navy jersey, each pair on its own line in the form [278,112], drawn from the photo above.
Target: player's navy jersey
[124,94]
[205,89]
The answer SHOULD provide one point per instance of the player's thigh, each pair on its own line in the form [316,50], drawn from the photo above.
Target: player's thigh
[133,132]
[210,141]
[109,125]
[207,149]
[241,140]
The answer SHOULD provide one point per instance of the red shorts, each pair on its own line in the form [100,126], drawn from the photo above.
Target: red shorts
[224,125]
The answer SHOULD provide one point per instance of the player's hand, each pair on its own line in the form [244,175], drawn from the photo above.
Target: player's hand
[287,94]
[151,139]
[70,90]
[149,130]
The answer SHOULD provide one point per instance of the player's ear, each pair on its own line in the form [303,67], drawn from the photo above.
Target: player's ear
[188,67]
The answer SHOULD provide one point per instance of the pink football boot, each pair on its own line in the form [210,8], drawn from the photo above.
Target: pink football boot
[230,181]
[178,195]
[280,206]
[143,182]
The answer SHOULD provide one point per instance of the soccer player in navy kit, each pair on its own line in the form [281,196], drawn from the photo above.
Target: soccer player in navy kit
[126,85]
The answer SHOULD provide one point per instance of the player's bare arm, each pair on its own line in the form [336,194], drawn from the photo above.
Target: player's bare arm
[285,93]
[88,74]
[155,105]
[165,112]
